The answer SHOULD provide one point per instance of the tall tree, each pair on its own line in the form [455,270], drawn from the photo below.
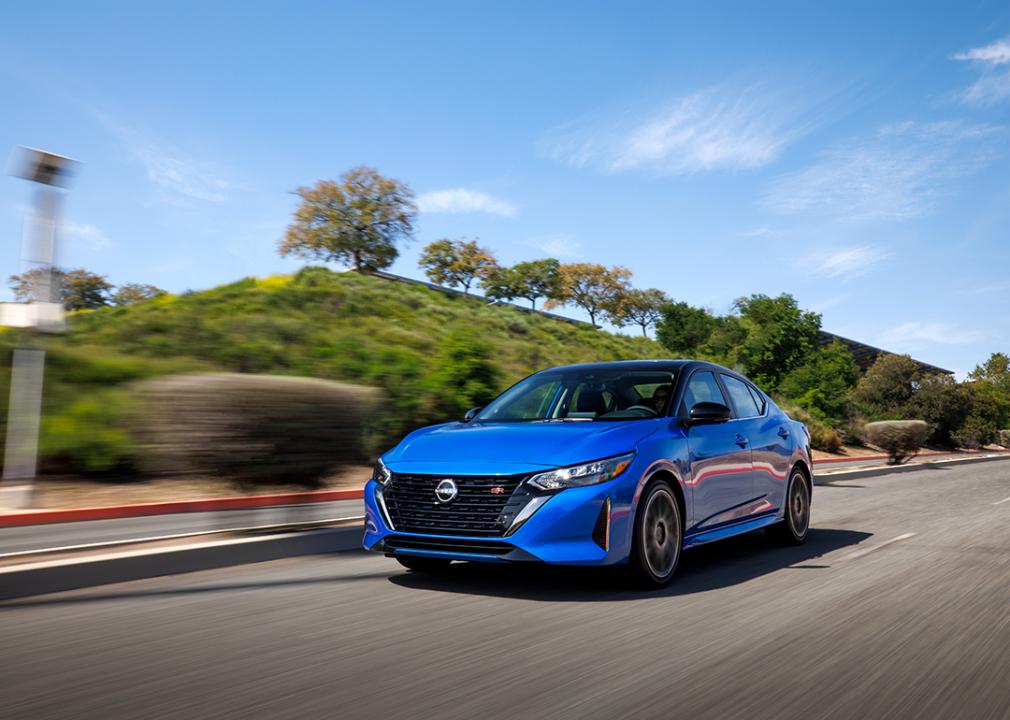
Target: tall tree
[535,279]
[823,382]
[779,336]
[79,289]
[887,388]
[643,308]
[598,290]
[131,293]
[684,328]
[457,262]
[359,220]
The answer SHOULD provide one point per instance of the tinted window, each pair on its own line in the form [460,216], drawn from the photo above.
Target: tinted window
[758,398]
[702,388]
[742,398]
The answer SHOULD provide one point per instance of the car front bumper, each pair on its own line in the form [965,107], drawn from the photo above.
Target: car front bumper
[560,531]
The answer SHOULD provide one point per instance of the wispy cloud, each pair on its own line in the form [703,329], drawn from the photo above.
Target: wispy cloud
[558,245]
[845,262]
[899,173]
[91,236]
[172,170]
[461,200]
[720,128]
[757,232]
[993,85]
[914,335]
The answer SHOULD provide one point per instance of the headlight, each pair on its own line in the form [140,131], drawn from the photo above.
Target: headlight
[578,475]
[380,473]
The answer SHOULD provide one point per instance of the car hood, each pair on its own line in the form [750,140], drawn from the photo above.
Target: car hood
[512,448]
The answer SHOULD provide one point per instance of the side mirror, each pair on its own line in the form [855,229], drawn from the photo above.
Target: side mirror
[471,414]
[708,413]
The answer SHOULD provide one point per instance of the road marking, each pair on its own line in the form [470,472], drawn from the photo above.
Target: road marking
[175,536]
[1000,502]
[868,550]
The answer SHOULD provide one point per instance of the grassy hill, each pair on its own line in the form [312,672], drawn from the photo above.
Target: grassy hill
[433,353]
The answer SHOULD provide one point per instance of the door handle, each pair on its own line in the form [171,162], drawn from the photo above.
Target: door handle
[741,441]
[783,433]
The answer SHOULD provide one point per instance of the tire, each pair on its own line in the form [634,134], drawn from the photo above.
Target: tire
[795,524]
[658,537]
[422,564]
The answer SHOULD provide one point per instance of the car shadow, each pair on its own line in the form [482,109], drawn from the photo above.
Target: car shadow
[708,567]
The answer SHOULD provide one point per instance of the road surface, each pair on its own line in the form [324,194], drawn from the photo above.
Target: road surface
[897,607]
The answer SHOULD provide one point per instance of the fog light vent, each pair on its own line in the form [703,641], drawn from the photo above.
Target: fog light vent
[601,531]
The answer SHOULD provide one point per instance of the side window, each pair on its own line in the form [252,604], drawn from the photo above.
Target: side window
[742,398]
[758,398]
[701,388]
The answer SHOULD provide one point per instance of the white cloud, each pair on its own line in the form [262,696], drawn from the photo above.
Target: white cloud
[897,174]
[913,335]
[461,200]
[90,235]
[559,246]
[172,170]
[845,262]
[993,85]
[719,128]
[757,232]
[997,53]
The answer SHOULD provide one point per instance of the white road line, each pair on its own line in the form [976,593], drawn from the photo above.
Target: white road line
[1000,502]
[865,551]
[176,536]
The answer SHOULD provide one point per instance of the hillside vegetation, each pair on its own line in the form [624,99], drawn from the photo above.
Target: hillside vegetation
[434,354]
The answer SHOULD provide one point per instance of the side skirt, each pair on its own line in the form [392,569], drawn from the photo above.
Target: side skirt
[721,533]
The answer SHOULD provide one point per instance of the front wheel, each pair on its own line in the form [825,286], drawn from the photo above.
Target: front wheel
[422,564]
[796,523]
[659,535]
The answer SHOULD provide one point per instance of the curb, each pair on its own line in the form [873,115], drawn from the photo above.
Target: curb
[895,469]
[928,453]
[112,512]
[19,581]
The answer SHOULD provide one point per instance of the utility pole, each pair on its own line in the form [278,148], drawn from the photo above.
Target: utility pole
[44,312]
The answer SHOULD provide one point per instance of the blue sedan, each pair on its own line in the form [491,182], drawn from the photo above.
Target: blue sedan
[623,463]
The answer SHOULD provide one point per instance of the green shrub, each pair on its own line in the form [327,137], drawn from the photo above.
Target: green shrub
[91,436]
[901,439]
[1004,438]
[822,436]
[252,429]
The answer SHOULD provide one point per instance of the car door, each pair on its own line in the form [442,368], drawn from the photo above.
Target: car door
[719,457]
[769,441]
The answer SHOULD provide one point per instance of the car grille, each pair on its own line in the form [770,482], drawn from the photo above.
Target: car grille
[476,511]
[461,547]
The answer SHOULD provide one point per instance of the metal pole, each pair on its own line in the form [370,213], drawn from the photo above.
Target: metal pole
[24,413]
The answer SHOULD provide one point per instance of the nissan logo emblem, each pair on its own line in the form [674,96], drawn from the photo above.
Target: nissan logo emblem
[446,491]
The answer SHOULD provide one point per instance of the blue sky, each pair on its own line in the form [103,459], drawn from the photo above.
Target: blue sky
[854,155]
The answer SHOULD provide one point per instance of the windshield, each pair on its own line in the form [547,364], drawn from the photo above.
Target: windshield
[586,395]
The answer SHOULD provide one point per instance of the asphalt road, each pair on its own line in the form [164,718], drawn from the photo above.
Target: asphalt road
[55,535]
[897,607]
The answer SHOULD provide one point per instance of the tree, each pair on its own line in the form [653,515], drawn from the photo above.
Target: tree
[884,392]
[682,328]
[594,288]
[779,336]
[822,384]
[131,293]
[79,289]
[359,220]
[457,262]
[943,403]
[644,308]
[535,279]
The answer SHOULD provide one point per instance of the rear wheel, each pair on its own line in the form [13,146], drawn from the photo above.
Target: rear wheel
[796,523]
[659,534]
[422,564]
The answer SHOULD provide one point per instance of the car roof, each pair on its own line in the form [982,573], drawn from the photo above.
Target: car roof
[626,365]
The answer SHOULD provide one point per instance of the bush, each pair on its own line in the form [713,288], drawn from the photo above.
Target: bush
[91,436]
[901,439]
[822,436]
[1004,438]
[252,429]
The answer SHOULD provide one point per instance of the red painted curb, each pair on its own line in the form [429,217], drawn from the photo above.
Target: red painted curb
[928,453]
[244,502]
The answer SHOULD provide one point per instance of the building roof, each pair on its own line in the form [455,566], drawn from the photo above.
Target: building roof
[865,355]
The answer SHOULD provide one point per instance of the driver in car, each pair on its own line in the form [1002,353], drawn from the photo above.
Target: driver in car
[660,397]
